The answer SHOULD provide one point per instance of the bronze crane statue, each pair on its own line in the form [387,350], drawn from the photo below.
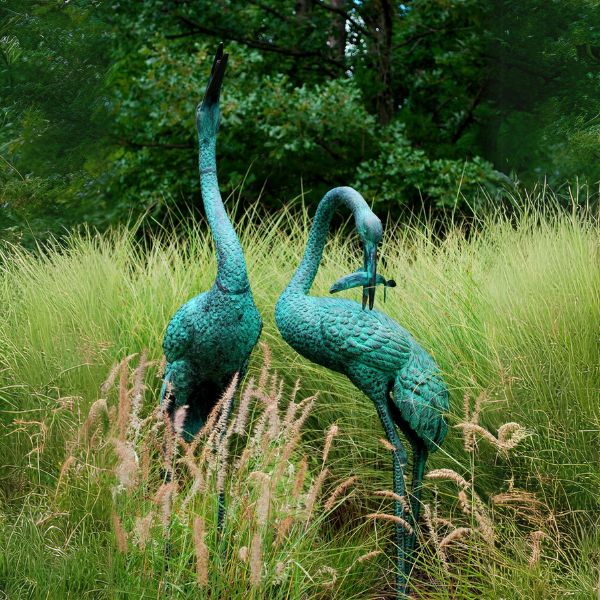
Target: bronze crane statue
[380,357]
[210,338]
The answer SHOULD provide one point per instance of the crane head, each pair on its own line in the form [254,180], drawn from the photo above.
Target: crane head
[370,231]
[208,113]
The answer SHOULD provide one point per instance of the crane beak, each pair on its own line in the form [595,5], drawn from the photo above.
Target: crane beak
[370,254]
[358,279]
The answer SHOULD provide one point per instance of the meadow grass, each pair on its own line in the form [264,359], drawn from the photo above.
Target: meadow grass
[508,306]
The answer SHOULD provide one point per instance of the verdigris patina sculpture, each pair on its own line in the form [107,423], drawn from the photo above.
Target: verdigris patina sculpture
[380,357]
[210,338]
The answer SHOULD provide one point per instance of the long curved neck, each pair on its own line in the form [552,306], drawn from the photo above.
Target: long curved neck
[232,275]
[306,272]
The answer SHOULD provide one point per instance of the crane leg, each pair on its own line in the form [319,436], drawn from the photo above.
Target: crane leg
[419,459]
[400,459]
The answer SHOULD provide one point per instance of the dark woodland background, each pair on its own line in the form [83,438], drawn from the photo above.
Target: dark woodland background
[424,105]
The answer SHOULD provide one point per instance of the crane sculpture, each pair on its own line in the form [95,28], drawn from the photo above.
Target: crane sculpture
[380,357]
[210,338]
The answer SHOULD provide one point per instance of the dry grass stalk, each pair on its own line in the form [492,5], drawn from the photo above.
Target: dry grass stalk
[535,540]
[64,470]
[338,491]
[433,536]
[331,433]
[455,535]
[120,535]
[199,482]
[201,552]
[145,461]
[126,469]
[313,493]
[395,497]
[393,519]
[142,529]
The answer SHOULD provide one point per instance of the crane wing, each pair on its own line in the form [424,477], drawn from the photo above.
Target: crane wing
[371,336]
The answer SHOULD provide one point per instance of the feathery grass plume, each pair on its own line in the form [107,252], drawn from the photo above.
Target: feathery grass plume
[449,474]
[124,405]
[294,434]
[326,570]
[395,497]
[223,457]
[162,367]
[126,468]
[454,535]
[263,502]
[201,552]
[241,419]
[179,419]
[313,494]
[243,554]
[524,504]
[393,519]
[338,491]
[300,477]
[274,423]
[120,535]
[145,461]
[198,483]
[110,380]
[219,429]
[98,410]
[535,540]
[283,528]
[266,366]
[255,559]
[331,433]
[63,471]
[433,536]
[387,444]
[368,556]
[137,395]
[164,498]
[510,435]
[475,506]
[169,444]
[142,529]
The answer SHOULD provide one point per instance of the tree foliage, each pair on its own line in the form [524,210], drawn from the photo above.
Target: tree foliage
[416,103]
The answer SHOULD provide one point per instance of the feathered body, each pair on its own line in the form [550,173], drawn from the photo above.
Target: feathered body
[380,357]
[210,338]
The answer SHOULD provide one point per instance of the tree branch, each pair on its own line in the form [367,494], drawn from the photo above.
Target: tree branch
[226,34]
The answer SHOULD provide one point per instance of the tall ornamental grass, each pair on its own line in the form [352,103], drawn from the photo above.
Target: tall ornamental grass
[510,309]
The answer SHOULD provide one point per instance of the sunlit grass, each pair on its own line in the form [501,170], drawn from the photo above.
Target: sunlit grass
[508,307]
